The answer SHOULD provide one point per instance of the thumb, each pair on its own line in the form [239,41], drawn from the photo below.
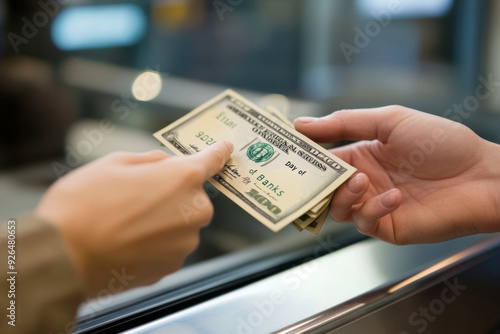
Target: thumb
[212,158]
[355,124]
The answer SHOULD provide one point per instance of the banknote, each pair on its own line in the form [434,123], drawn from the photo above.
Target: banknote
[312,220]
[276,113]
[275,173]
[316,225]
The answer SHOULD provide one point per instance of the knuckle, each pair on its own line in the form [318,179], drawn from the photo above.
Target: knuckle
[398,241]
[362,230]
[117,156]
[192,242]
[395,107]
[340,219]
[365,227]
[398,110]
[340,112]
[338,216]
[399,238]
[205,211]
[208,213]
[159,153]
[203,199]
[219,160]
[392,237]
[192,173]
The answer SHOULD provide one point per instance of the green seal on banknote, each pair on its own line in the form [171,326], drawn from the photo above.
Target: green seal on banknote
[260,152]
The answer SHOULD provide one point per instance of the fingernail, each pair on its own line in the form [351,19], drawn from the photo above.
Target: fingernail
[389,199]
[355,185]
[306,120]
[229,145]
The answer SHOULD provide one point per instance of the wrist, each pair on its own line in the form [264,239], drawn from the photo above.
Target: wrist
[69,243]
[492,164]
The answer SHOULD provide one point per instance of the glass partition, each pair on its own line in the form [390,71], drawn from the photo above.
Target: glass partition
[306,57]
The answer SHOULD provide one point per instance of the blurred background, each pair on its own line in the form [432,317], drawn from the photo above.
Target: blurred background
[82,78]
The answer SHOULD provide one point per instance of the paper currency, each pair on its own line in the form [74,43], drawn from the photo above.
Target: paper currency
[275,173]
[313,219]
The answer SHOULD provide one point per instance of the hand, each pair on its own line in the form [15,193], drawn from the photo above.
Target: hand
[134,213]
[422,178]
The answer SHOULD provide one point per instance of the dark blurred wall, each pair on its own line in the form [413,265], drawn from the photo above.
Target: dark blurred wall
[35,114]
[27,27]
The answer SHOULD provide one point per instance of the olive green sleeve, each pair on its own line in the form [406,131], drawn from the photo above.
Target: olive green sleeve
[42,283]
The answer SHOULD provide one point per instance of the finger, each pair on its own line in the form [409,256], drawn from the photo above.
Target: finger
[212,159]
[367,216]
[193,208]
[356,124]
[348,195]
[202,207]
[130,158]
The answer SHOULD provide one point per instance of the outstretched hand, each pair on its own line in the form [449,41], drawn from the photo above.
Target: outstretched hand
[421,178]
[136,214]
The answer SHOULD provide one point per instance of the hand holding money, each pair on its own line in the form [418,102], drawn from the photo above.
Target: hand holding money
[276,174]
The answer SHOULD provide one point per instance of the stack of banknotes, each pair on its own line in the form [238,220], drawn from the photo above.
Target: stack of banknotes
[276,174]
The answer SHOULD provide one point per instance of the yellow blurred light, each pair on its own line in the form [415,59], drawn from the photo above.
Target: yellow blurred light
[178,14]
[147,86]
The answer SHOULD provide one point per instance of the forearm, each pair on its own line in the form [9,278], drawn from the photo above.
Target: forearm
[46,291]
